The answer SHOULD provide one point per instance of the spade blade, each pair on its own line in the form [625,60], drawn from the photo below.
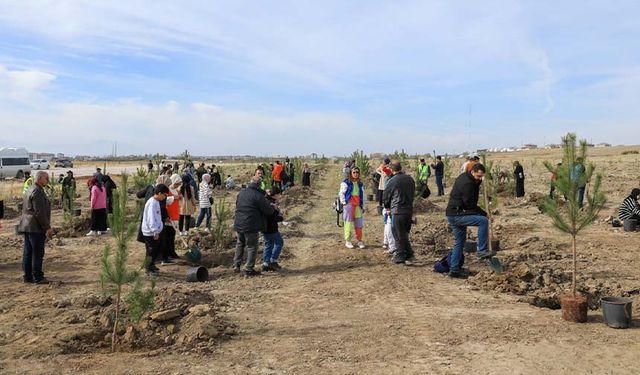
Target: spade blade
[495,264]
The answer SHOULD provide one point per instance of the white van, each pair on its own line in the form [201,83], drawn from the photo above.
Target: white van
[14,162]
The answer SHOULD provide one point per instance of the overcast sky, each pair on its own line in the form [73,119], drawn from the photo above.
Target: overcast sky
[296,77]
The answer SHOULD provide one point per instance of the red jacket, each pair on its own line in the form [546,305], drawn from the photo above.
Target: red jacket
[174,208]
[277,171]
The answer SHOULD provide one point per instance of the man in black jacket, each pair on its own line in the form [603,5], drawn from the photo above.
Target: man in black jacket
[463,211]
[252,208]
[438,168]
[35,225]
[398,200]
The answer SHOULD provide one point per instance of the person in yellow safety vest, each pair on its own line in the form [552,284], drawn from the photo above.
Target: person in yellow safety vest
[424,171]
[28,181]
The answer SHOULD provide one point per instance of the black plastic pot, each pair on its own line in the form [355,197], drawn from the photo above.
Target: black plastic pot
[1,209]
[616,311]
[77,212]
[199,274]
[370,197]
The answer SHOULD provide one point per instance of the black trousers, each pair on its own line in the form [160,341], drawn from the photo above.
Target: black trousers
[99,219]
[168,240]
[400,229]
[184,222]
[152,251]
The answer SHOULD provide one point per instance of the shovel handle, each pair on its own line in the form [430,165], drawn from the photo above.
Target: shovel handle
[176,229]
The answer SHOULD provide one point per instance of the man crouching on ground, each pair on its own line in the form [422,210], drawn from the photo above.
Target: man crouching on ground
[463,211]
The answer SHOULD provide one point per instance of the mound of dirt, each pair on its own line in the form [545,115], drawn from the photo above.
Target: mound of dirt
[425,206]
[206,241]
[10,212]
[11,242]
[78,228]
[183,320]
[541,280]
[432,236]
[295,196]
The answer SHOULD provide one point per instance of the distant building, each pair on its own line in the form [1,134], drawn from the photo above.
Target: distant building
[603,145]
[529,146]
[41,155]
[552,145]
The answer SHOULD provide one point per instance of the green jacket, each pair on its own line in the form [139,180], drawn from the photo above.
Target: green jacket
[424,171]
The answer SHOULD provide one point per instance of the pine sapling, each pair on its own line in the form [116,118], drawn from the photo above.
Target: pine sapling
[573,174]
[115,275]
[222,214]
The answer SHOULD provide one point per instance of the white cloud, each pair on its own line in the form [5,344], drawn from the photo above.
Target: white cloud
[89,128]
[23,84]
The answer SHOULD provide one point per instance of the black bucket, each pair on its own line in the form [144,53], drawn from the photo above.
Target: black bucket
[370,197]
[77,212]
[199,274]
[630,225]
[616,311]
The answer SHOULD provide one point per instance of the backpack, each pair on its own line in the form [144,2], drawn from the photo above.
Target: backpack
[442,266]
[339,208]
[376,178]
[426,193]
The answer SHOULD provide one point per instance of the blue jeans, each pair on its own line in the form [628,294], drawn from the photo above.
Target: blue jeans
[273,244]
[203,212]
[581,196]
[440,185]
[459,226]
[33,255]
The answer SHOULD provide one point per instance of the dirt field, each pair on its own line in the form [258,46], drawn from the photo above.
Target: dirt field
[335,310]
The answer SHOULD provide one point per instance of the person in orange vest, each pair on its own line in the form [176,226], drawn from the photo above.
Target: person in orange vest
[277,174]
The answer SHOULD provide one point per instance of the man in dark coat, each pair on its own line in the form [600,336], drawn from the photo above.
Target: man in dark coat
[35,225]
[68,191]
[463,211]
[398,200]
[438,169]
[252,208]
[518,174]
[109,186]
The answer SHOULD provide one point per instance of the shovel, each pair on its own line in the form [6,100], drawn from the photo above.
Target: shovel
[193,255]
[493,262]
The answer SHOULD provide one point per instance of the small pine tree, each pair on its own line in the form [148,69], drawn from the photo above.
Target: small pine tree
[222,213]
[115,275]
[362,162]
[571,218]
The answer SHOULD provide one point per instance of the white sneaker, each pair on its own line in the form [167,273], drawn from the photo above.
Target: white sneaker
[361,245]
[91,233]
[349,245]
[98,233]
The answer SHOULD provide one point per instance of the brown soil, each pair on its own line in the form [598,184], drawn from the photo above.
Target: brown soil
[335,310]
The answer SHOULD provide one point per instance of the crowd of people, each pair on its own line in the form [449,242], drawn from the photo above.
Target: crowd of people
[175,197]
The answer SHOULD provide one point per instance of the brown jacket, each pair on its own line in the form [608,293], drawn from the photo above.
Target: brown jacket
[188,206]
[36,211]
